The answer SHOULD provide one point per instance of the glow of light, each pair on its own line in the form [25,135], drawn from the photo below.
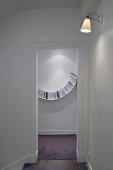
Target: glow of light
[86,26]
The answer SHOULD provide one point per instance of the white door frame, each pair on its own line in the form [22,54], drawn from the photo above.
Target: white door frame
[81,99]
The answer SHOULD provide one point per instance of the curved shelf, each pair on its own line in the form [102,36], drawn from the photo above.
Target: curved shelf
[60,93]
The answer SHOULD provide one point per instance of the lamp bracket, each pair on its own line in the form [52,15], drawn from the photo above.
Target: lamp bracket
[97,17]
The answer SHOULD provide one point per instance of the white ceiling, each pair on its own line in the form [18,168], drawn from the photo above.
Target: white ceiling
[8,7]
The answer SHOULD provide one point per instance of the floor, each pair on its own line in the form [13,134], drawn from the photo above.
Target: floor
[57,147]
[57,152]
[55,165]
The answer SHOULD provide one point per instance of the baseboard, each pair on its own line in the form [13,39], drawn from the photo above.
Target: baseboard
[56,132]
[18,165]
[80,157]
[89,166]
[32,158]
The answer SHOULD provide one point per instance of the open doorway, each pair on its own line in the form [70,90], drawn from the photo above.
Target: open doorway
[57,110]
[81,104]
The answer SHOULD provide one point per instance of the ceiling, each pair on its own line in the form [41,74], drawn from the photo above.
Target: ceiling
[9,7]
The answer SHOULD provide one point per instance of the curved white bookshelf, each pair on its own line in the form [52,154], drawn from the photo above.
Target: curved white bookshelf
[60,93]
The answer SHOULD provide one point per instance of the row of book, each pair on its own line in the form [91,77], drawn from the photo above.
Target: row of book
[60,93]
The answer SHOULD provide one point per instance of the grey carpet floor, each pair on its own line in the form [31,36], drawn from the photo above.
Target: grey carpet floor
[55,165]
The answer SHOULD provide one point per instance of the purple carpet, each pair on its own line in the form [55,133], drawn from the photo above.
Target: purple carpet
[56,152]
[57,147]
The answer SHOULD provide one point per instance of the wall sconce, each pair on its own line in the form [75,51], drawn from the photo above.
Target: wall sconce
[86,25]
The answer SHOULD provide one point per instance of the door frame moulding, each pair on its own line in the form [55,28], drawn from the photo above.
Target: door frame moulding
[80,95]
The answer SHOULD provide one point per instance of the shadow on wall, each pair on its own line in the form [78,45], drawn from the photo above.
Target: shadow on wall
[46,106]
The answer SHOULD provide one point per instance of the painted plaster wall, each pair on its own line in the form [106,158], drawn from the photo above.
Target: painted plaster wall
[17,34]
[54,68]
[101,90]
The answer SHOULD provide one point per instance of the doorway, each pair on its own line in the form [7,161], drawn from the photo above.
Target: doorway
[57,74]
[80,96]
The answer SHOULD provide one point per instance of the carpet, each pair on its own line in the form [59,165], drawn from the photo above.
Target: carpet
[55,165]
[56,152]
[57,147]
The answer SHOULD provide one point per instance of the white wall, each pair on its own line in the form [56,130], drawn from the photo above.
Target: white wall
[101,90]
[54,68]
[16,36]
[88,6]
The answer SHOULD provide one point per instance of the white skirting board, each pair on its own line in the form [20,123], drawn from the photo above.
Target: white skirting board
[80,158]
[18,165]
[89,166]
[56,132]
